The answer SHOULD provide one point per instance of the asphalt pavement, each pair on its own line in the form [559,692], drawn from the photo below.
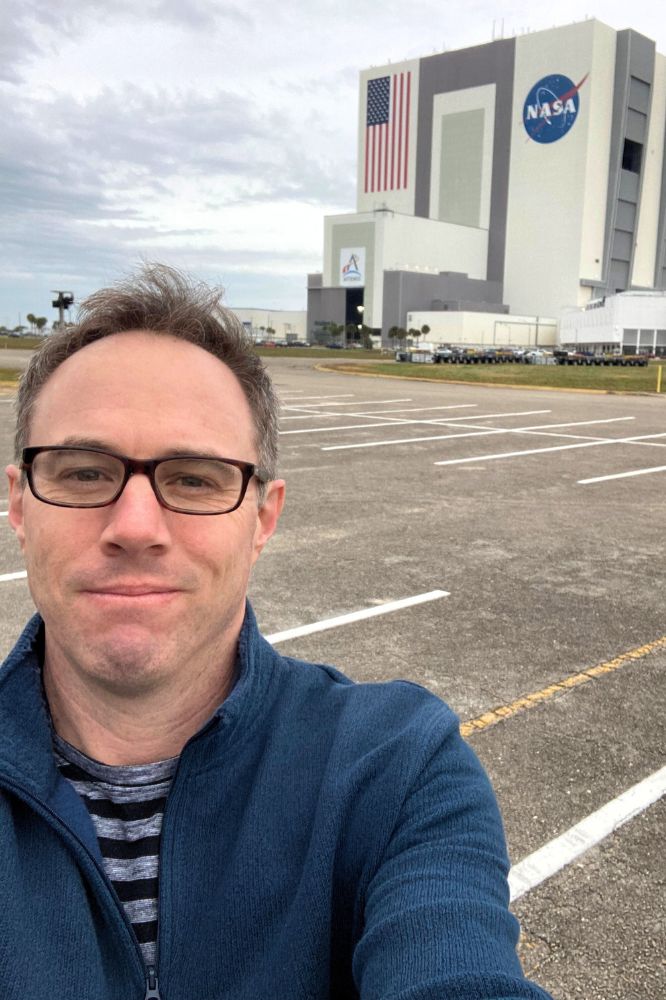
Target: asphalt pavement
[547,576]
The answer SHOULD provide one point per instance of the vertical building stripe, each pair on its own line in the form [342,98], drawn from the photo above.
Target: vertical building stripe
[372,162]
[399,185]
[409,79]
[380,151]
[394,90]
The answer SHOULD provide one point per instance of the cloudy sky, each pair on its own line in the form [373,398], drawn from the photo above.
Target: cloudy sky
[212,135]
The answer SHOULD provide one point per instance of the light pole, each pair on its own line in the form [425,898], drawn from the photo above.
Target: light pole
[62,302]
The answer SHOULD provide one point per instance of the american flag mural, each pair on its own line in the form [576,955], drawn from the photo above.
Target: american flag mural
[387,132]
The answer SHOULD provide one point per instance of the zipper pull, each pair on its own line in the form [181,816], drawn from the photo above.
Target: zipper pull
[152,986]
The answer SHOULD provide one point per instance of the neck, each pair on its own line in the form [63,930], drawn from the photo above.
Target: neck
[116,727]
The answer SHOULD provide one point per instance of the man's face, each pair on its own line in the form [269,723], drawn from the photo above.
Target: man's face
[133,594]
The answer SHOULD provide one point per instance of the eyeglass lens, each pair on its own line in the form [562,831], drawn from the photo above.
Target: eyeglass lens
[88,478]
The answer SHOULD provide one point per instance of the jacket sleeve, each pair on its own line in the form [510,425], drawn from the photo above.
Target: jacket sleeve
[437,924]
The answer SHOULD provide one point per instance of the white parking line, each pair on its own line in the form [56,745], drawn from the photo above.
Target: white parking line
[422,409]
[555,855]
[538,451]
[623,475]
[335,395]
[486,416]
[6,577]
[437,422]
[349,427]
[379,413]
[356,616]
[476,433]
[353,402]
[561,434]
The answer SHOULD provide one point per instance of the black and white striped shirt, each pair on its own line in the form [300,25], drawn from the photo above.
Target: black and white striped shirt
[126,805]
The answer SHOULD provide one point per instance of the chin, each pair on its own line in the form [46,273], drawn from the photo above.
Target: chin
[127,665]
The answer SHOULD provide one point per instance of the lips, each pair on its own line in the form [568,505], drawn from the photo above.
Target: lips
[133,590]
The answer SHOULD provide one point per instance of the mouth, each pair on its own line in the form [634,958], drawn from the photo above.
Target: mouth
[134,593]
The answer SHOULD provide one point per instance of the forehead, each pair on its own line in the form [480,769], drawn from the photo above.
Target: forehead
[140,389]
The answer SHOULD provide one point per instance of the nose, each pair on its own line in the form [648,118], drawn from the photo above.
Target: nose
[136,522]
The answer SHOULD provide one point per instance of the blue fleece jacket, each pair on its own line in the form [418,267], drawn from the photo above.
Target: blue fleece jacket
[322,839]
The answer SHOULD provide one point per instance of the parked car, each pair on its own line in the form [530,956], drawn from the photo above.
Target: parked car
[536,356]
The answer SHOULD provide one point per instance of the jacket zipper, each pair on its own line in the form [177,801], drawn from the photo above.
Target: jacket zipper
[152,985]
[148,973]
[54,820]
[152,981]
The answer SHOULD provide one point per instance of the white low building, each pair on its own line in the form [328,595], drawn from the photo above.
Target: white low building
[481,329]
[631,322]
[285,324]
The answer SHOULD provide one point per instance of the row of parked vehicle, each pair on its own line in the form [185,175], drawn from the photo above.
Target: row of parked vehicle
[588,358]
[445,354]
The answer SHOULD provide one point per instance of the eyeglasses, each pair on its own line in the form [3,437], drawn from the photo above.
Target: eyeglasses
[89,477]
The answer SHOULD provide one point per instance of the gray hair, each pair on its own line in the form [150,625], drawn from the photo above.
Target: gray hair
[162,300]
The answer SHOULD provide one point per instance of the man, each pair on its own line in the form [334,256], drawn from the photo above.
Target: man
[184,813]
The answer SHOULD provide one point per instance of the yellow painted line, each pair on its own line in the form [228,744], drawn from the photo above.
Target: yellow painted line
[560,687]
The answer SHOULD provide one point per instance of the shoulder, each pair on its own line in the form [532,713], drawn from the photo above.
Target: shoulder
[400,717]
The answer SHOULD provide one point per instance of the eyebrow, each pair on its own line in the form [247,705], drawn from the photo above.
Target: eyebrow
[74,441]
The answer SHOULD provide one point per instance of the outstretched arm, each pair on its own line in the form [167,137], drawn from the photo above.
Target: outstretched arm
[437,923]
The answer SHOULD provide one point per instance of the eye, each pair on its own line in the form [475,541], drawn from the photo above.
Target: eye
[84,474]
[191,482]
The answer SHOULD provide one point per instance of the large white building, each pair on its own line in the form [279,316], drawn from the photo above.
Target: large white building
[526,176]
[629,323]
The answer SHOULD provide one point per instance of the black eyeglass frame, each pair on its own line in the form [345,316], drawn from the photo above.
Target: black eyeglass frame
[144,467]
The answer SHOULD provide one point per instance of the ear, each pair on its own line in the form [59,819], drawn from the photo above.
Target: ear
[16,492]
[268,515]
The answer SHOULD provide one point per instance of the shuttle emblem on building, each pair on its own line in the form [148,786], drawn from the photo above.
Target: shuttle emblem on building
[551,108]
[352,266]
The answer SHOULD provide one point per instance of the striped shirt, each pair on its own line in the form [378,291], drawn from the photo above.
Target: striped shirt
[126,805]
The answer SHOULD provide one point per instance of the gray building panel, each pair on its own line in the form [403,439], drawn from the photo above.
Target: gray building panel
[461,167]
[410,291]
[634,75]
[660,260]
[450,71]
[357,234]
[325,305]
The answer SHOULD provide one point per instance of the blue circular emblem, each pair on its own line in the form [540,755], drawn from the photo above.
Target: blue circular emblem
[551,108]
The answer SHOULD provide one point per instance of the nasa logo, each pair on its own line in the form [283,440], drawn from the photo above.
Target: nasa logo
[551,108]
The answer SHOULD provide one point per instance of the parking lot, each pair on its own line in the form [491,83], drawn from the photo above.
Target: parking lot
[506,549]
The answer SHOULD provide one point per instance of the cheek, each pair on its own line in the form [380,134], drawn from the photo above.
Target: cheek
[229,555]
[52,542]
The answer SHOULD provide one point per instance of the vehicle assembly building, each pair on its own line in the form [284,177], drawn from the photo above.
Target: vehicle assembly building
[521,178]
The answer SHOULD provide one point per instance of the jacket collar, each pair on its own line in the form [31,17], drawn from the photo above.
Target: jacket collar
[26,755]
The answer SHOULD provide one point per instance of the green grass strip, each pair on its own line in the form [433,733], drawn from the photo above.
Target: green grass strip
[20,343]
[314,352]
[549,376]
